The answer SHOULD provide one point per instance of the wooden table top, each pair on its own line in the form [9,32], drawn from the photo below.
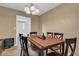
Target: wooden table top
[40,43]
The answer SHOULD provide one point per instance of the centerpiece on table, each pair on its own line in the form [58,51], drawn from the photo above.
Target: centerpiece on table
[43,37]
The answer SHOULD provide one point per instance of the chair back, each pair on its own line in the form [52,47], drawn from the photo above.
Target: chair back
[58,36]
[33,33]
[20,39]
[24,43]
[50,34]
[70,43]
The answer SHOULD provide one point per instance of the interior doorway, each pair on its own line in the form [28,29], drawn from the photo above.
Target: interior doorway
[23,26]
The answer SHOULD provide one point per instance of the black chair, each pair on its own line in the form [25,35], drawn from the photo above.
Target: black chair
[70,42]
[50,34]
[24,45]
[33,33]
[70,45]
[58,36]
[20,38]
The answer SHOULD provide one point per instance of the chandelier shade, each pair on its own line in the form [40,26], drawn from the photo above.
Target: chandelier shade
[31,9]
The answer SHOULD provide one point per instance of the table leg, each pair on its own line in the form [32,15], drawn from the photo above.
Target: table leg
[41,53]
[46,51]
[62,48]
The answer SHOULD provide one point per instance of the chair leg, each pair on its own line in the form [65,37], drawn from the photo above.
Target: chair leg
[27,52]
[46,51]
[21,53]
[60,48]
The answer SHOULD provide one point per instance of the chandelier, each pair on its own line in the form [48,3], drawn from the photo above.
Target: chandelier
[31,9]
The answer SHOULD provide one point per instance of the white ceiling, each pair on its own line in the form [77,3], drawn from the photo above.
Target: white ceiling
[44,7]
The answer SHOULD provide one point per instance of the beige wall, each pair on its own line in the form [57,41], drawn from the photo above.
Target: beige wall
[8,22]
[64,18]
[35,24]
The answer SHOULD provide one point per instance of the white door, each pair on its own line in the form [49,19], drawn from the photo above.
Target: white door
[23,25]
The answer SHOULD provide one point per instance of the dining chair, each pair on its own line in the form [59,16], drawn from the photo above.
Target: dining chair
[69,48]
[50,34]
[24,45]
[70,42]
[20,38]
[33,33]
[58,36]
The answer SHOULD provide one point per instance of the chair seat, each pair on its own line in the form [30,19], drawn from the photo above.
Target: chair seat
[54,54]
[55,48]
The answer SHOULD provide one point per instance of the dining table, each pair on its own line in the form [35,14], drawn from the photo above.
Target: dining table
[46,43]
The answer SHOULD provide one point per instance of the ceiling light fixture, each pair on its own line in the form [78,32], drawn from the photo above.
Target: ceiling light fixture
[31,9]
